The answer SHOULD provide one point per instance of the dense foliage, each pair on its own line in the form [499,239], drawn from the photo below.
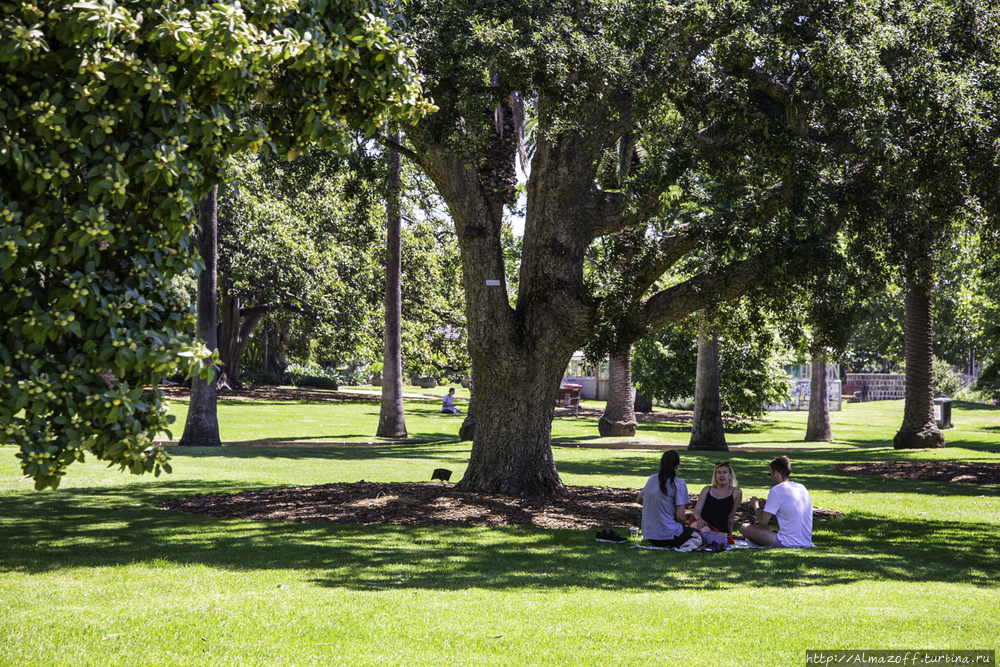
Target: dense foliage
[303,243]
[299,244]
[664,367]
[115,118]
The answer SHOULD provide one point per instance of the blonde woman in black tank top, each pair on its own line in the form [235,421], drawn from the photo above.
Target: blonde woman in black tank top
[717,504]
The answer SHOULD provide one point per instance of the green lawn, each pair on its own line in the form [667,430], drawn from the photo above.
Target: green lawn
[857,425]
[94,575]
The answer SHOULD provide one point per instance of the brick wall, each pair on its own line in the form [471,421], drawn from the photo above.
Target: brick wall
[879,386]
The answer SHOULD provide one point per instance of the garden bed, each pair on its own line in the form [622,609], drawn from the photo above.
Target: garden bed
[431,504]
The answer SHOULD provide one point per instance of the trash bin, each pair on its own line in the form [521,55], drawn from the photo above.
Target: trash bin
[942,412]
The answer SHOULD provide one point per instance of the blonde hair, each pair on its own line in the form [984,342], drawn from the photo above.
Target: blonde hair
[732,474]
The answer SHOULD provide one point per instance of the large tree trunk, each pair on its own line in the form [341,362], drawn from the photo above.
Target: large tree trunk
[919,430]
[818,424]
[519,355]
[392,418]
[706,423]
[234,332]
[619,413]
[511,450]
[202,426]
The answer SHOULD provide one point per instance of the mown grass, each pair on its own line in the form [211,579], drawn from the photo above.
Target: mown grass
[858,425]
[94,575]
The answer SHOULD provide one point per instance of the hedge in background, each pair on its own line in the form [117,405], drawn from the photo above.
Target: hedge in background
[115,119]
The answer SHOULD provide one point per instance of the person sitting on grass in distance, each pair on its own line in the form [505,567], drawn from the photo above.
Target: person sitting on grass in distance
[448,404]
[788,501]
[716,508]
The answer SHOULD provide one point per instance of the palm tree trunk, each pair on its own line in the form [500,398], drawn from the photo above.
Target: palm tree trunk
[392,417]
[706,424]
[818,425]
[919,430]
[202,426]
[619,413]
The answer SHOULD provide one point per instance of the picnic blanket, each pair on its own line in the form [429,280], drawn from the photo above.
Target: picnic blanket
[740,544]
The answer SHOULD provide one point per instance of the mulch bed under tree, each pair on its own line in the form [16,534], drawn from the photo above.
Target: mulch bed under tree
[431,504]
[959,472]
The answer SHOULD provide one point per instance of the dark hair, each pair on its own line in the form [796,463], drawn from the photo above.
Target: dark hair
[668,469]
[781,465]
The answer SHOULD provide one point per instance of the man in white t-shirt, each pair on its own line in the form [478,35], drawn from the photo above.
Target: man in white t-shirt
[788,501]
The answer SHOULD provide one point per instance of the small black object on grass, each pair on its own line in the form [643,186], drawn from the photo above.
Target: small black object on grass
[442,474]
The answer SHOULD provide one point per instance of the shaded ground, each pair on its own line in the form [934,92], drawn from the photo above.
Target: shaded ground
[274,394]
[430,504]
[311,395]
[959,472]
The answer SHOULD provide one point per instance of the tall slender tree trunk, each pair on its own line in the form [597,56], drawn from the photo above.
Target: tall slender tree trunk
[229,335]
[818,425]
[619,413]
[202,426]
[919,430]
[706,423]
[392,418]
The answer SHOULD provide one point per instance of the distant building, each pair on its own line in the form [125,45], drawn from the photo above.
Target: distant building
[800,387]
[593,378]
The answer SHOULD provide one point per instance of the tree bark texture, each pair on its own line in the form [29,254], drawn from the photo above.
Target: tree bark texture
[919,430]
[818,425]
[706,423]
[618,420]
[467,432]
[202,426]
[392,416]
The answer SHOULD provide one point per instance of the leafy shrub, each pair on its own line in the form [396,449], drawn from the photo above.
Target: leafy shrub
[989,380]
[349,378]
[260,378]
[946,381]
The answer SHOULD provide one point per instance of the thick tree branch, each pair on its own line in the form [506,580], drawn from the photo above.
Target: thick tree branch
[609,216]
[697,293]
[290,307]
[399,148]
[673,245]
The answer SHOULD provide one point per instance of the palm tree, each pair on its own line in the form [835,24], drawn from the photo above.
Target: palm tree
[818,424]
[618,419]
[919,429]
[706,422]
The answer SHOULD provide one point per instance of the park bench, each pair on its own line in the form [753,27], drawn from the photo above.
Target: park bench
[852,392]
[569,397]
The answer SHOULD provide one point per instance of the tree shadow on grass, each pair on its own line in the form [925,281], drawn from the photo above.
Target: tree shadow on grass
[358,452]
[815,469]
[102,528]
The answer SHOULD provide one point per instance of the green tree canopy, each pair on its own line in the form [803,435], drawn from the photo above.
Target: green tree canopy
[115,118]
[782,115]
